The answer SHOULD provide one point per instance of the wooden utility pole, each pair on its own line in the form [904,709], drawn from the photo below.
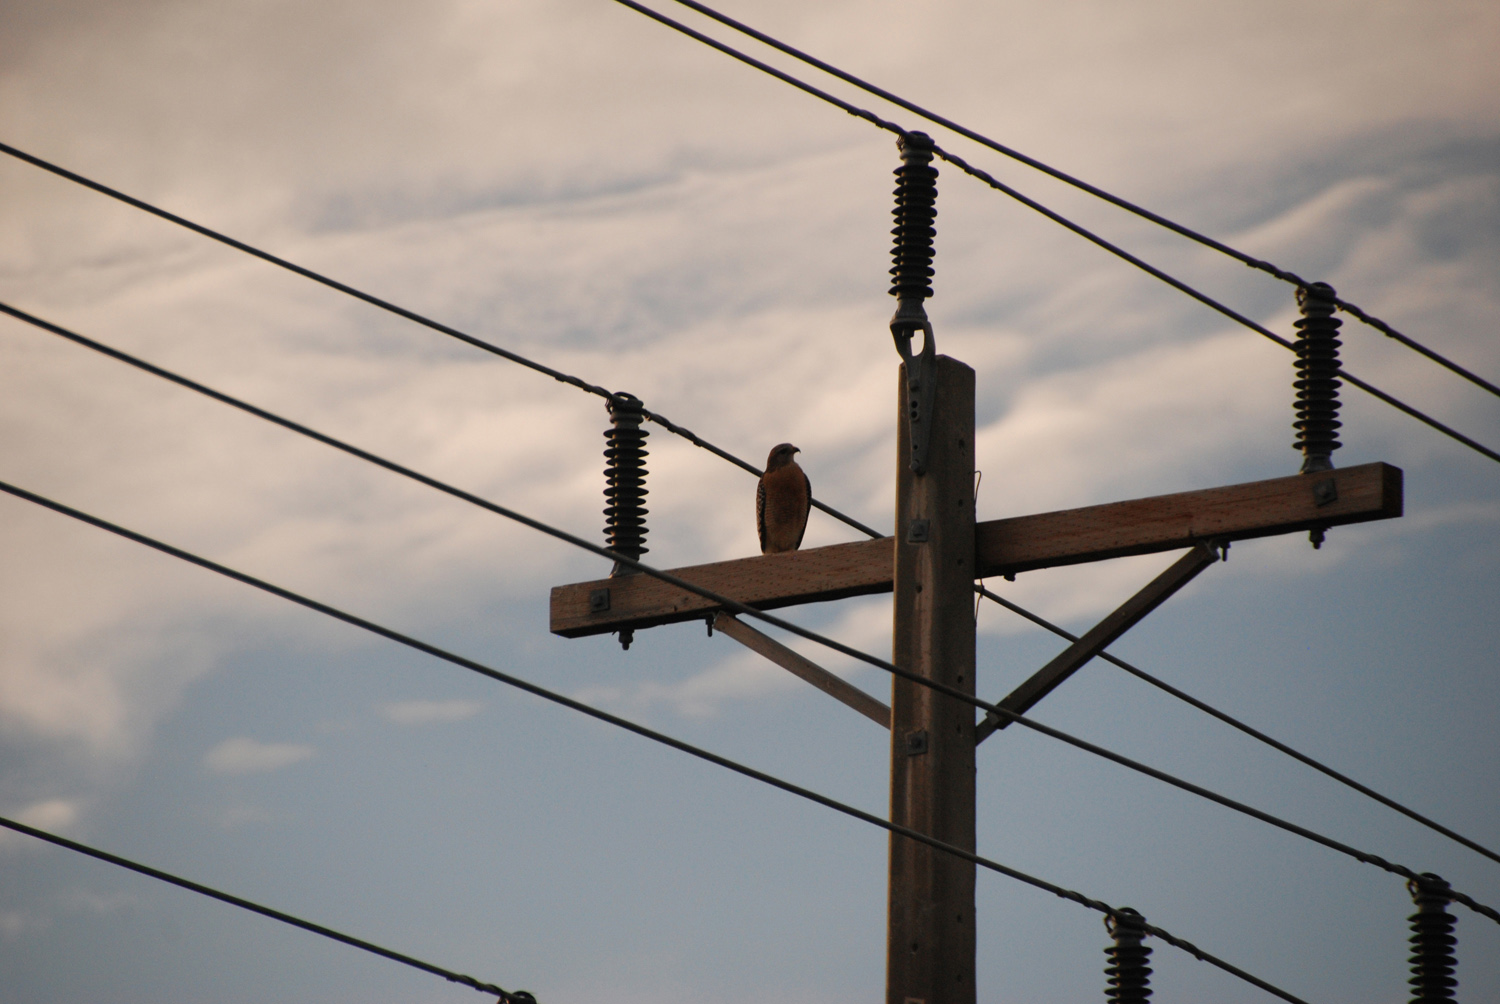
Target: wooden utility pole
[930,915]
[932,563]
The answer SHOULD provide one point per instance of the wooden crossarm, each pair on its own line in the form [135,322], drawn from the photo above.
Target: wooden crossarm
[1003,546]
[765,581]
[1170,522]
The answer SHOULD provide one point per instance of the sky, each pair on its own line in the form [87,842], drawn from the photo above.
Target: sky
[581,185]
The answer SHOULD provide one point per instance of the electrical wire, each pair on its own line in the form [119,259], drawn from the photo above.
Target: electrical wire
[623,723]
[402,312]
[445,488]
[506,996]
[983,176]
[1248,730]
[654,416]
[1207,300]
[1131,207]
[708,594]
[697,441]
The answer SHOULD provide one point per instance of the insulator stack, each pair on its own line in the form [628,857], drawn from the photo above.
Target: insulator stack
[1317,380]
[625,479]
[1432,941]
[1128,971]
[915,213]
[911,283]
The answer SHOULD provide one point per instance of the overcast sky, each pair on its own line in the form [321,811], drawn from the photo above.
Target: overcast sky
[579,184]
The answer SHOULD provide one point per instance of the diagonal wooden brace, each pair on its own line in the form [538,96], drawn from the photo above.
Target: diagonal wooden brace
[797,665]
[1046,679]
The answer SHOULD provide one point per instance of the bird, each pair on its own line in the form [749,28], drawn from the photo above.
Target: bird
[782,501]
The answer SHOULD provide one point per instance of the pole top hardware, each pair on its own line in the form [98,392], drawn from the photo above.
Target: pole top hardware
[911,275]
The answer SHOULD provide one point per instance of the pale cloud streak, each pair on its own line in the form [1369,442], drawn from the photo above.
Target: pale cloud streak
[430,712]
[242,755]
[55,815]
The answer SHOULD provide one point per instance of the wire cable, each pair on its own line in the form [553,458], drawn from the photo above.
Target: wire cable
[506,996]
[402,312]
[1248,730]
[623,723]
[709,594]
[988,179]
[1205,299]
[444,487]
[1131,207]
[654,416]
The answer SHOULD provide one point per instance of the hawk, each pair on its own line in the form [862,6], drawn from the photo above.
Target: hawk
[782,502]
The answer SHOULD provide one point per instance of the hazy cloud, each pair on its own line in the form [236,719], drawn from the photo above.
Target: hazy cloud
[237,816]
[249,756]
[55,815]
[14,923]
[429,712]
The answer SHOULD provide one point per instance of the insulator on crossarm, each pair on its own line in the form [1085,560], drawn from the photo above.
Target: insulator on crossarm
[1317,382]
[1128,970]
[1432,941]
[625,485]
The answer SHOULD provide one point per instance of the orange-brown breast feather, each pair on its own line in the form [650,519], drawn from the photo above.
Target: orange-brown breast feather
[782,503]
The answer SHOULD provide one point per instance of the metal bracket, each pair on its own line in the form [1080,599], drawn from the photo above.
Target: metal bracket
[917,531]
[916,742]
[921,376]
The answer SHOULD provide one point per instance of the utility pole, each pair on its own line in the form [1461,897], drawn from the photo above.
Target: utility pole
[931,564]
[930,916]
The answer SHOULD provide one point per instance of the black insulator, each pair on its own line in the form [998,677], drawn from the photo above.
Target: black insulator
[915,213]
[1432,941]
[1317,380]
[1128,971]
[625,479]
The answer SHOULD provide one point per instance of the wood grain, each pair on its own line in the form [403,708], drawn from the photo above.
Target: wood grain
[930,946]
[1169,522]
[765,581]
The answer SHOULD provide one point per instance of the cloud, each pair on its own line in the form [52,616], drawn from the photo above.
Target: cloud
[14,923]
[55,815]
[742,675]
[237,816]
[429,712]
[248,756]
[657,219]
[100,904]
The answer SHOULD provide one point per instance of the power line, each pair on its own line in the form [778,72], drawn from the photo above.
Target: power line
[624,723]
[1248,730]
[654,416]
[402,312]
[506,996]
[444,487]
[1207,300]
[985,177]
[678,430]
[1256,263]
[709,594]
